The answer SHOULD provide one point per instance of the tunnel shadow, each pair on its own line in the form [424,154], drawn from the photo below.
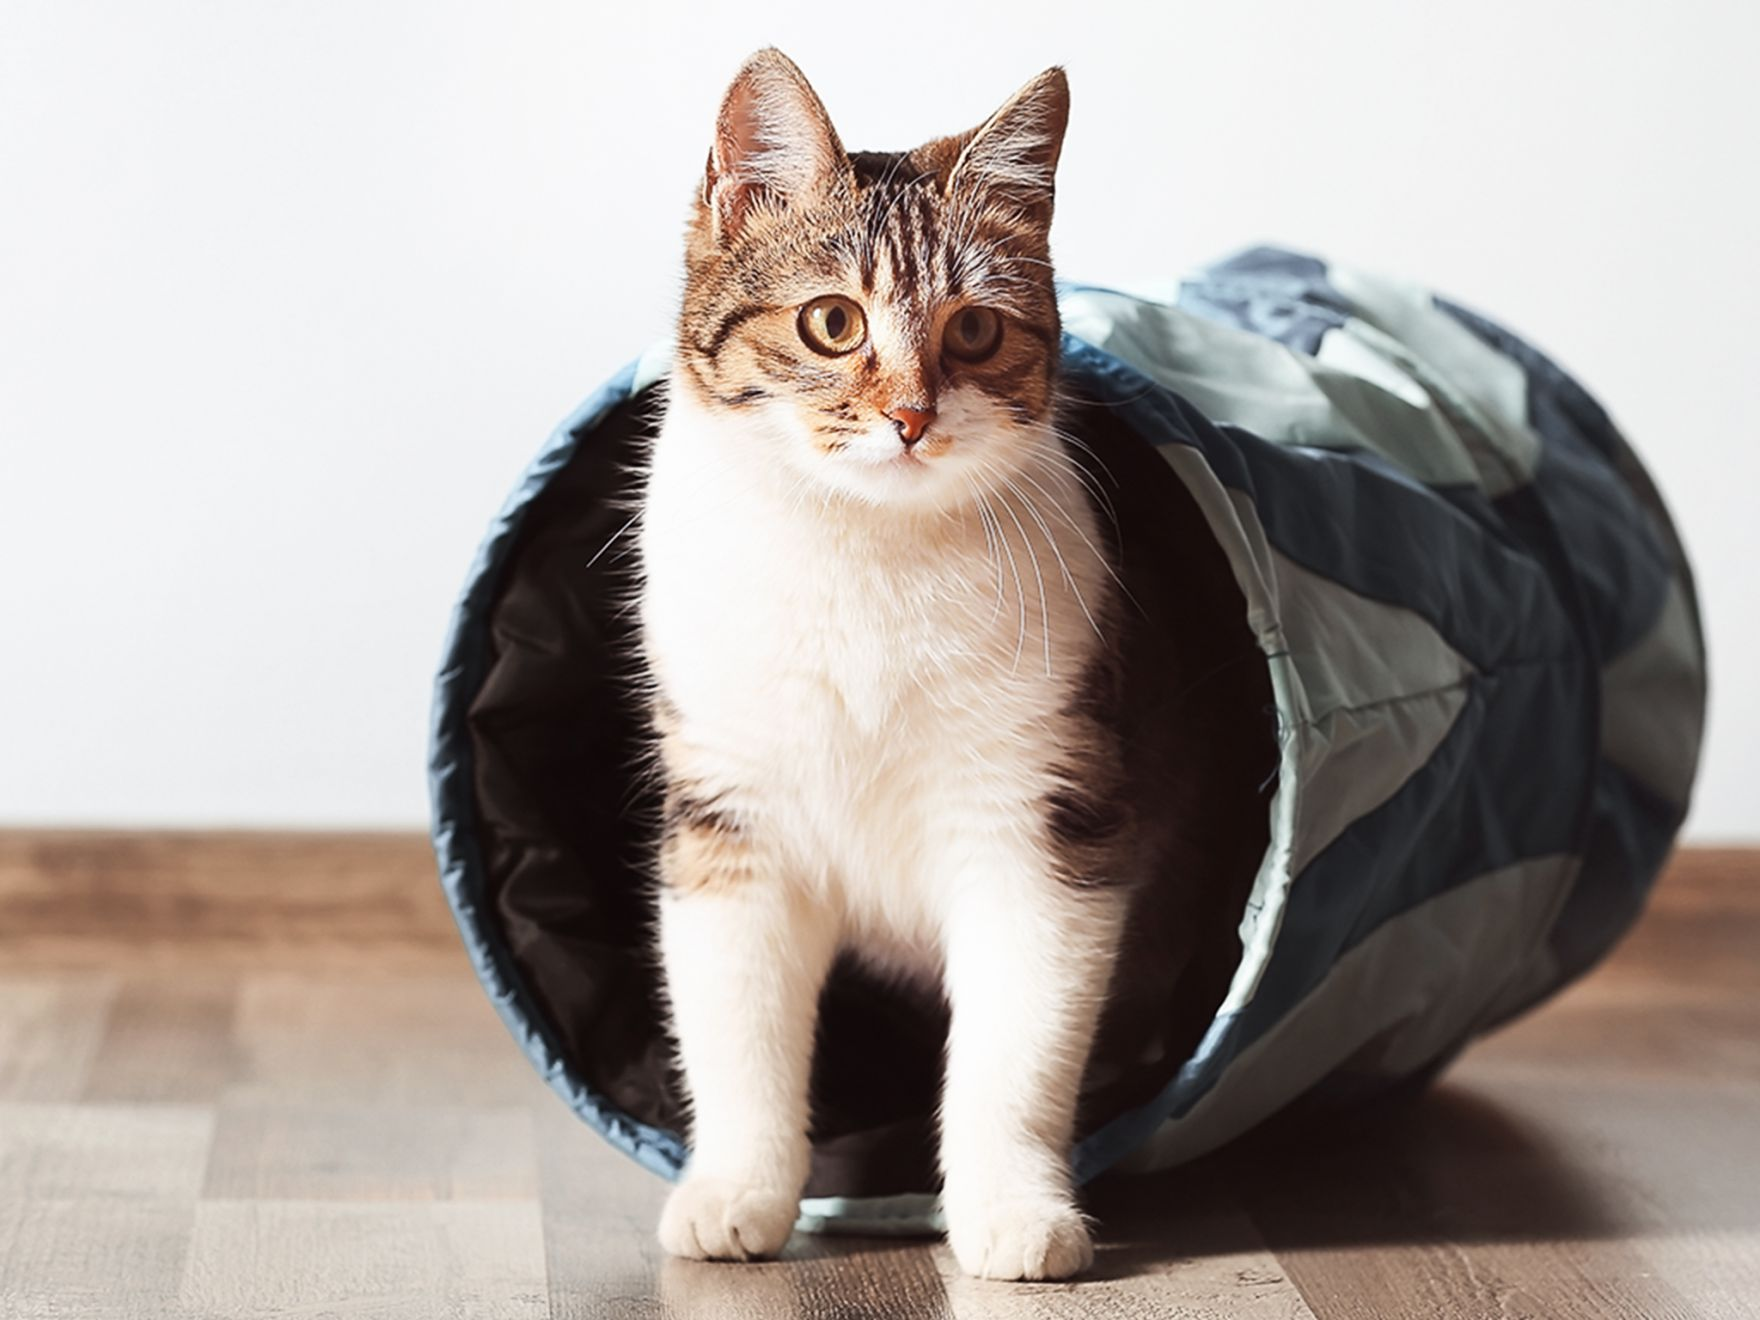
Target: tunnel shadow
[1446,1164]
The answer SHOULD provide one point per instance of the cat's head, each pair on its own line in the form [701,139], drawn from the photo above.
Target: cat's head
[883,324]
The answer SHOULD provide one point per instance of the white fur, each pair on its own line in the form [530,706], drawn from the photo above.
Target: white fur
[870,674]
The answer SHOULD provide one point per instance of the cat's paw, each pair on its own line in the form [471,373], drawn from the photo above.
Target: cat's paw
[1021,1239]
[719,1219]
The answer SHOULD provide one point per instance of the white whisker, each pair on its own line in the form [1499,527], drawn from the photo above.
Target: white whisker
[988,520]
[1020,592]
[619,532]
[1092,549]
[1044,606]
[1051,540]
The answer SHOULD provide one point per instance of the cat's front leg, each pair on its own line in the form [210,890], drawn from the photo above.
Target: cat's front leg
[1029,958]
[746,952]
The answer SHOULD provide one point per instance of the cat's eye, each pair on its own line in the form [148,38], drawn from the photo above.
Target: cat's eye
[973,334]
[833,325]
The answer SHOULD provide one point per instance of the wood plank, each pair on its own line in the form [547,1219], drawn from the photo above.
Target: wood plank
[51,1026]
[57,1151]
[816,1279]
[372,1153]
[1702,926]
[388,1262]
[130,890]
[133,889]
[92,1257]
[1565,1200]
[363,1036]
[834,1277]
[168,1039]
[600,1208]
[1623,1028]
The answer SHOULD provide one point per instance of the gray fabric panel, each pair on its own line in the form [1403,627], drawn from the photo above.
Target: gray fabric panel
[1406,425]
[1355,395]
[1651,697]
[1232,375]
[1380,689]
[1484,392]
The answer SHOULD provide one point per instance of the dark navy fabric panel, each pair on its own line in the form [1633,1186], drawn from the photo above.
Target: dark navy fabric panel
[1281,295]
[1611,543]
[1557,404]
[1607,542]
[1600,544]
[1630,834]
[1513,780]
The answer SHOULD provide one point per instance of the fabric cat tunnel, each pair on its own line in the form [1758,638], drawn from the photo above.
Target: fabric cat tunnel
[1483,678]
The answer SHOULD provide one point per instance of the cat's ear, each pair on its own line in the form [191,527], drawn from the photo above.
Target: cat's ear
[1012,156]
[774,144]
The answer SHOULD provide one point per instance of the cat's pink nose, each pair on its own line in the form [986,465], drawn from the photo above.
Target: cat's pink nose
[911,422]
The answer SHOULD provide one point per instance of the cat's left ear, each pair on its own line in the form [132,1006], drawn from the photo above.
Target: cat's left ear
[1012,156]
[774,143]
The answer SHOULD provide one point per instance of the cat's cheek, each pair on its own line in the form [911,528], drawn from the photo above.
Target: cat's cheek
[786,443]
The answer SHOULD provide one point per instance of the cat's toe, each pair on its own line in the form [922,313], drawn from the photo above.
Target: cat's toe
[1030,1239]
[718,1219]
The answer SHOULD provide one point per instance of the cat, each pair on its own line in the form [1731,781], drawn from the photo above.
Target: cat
[875,609]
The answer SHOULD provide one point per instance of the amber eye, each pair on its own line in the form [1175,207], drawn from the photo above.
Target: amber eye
[973,334]
[833,325]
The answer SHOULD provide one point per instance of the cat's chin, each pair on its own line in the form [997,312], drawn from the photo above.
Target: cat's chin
[906,482]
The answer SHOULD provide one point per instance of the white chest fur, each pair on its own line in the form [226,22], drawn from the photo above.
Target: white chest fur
[859,676]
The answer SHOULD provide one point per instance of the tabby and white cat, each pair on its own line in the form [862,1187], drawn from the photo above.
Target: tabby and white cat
[874,608]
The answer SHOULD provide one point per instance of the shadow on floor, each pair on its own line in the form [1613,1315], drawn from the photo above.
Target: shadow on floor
[1448,1166]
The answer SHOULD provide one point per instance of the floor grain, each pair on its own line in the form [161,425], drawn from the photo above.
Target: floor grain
[51,1026]
[367,1259]
[263,1082]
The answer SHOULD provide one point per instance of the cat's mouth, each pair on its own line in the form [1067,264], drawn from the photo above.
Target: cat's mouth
[924,453]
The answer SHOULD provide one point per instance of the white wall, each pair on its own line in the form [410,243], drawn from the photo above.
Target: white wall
[289,293]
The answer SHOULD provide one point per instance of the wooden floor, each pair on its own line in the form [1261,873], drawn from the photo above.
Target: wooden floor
[252,1076]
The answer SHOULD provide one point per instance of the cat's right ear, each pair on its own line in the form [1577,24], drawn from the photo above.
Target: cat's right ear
[774,144]
[1012,156]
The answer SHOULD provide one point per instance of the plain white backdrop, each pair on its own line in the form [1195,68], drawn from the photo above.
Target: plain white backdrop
[289,294]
